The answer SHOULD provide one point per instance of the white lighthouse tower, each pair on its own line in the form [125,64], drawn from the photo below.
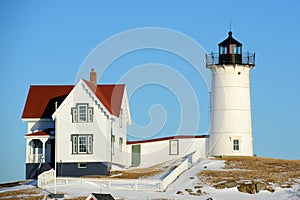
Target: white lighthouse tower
[230,131]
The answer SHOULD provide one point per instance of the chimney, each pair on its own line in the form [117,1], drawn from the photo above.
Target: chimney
[93,76]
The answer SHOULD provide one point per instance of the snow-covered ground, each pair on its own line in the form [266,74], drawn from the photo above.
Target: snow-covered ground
[188,180]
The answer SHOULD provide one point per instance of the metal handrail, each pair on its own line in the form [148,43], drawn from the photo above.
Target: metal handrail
[247,59]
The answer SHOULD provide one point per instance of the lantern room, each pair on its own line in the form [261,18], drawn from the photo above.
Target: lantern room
[230,51]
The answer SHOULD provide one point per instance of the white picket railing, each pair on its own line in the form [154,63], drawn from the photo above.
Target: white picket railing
[47,179]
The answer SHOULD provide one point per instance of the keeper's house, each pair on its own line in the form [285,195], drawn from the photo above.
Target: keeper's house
[73,126]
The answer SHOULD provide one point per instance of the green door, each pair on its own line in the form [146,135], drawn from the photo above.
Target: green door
[136,155]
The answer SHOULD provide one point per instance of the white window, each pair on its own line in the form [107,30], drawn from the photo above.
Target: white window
[90,144]
[74,145]
[113,139]
[82,113]
[174,147]
[236,145]
[82,165]
[120,143]
[82,144]
[74,115]
[90,115]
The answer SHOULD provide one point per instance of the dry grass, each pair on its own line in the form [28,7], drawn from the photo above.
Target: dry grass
[76,198]
[280,172]
[138,173]
[34,194]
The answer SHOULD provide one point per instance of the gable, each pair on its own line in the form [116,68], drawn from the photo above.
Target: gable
[41,100]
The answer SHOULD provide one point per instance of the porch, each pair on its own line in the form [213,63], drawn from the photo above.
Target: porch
[40,152]
[39,147]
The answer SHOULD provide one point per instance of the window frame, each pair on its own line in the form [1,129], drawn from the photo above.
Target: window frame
[82,116]
[79,165]
[113,140]
[120,144]
[76,149]
[90,114]
[236,146]
[78,116]
[171,142]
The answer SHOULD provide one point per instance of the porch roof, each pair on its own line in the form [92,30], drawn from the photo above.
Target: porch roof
[38,133]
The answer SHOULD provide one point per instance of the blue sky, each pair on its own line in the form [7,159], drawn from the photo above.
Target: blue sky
[46,43]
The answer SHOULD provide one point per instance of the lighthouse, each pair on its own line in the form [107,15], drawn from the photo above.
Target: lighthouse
[230,132]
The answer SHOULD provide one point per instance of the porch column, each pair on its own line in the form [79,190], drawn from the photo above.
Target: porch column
[44,140]
[28,151]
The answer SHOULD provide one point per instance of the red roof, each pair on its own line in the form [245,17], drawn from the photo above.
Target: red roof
[38,133]
[41,99]
[167,138]
[110,96]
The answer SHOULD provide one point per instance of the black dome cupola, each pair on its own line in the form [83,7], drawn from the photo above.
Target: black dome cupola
[230,51]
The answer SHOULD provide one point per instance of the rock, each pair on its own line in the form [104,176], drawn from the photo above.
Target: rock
[198,186]
[209,199]
[231,184]
[189,190]
[179,192]
[226,185]
[195,194]
[270,189]
[247,188]
[205,167]
[199,191]
[219,186]
[260,186]
[192,178]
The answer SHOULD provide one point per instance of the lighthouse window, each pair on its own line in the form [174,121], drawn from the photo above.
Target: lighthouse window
[223,50]
[236,145]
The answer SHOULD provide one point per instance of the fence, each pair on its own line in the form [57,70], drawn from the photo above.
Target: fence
[47,179]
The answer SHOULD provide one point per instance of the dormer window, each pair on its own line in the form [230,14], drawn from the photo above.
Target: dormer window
[82,113]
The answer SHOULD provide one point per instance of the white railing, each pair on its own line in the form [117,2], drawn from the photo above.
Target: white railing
[35,158]
[175,173]
[46,178]
[124,184]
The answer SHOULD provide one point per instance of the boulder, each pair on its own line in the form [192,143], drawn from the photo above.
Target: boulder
[189,190]
[231,184]
[198,186]
[247,188]
[270,189]
[199,191]
[260,186]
